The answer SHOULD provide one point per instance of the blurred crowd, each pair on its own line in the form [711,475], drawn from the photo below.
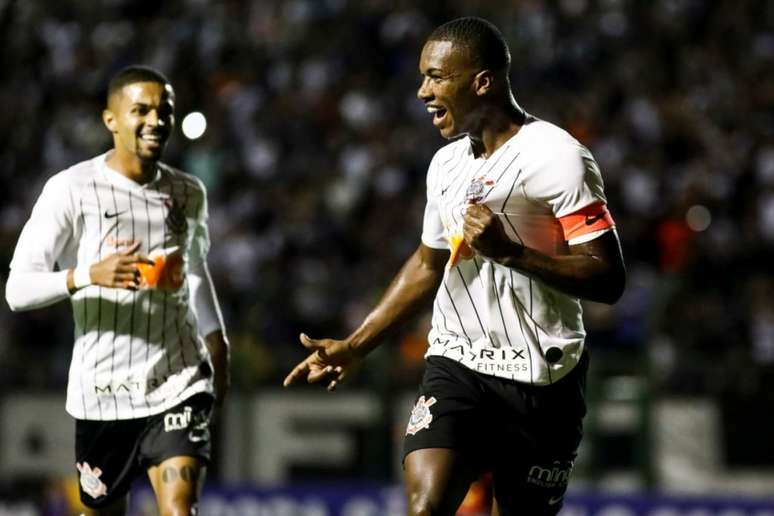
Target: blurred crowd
[316,151]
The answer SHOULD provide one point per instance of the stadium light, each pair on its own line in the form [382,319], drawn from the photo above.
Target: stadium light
[698,218]
[194,125]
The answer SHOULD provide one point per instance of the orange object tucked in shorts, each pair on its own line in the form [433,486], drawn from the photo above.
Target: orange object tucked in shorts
[166,273]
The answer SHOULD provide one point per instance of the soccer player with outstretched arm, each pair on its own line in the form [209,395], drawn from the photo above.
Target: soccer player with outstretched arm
[516,232]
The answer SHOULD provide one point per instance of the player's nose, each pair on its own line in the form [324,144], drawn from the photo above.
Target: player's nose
[153,119]
[424,92]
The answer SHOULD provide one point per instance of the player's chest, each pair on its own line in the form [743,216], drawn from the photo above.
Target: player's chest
[501,189]
[158,218]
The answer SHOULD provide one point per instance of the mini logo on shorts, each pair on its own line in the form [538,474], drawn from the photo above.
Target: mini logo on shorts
[420,415]
[90,482]
[177,420]
[554,475]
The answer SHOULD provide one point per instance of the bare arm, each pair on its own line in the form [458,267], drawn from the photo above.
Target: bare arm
[417,280]
[593,270]
[332,359]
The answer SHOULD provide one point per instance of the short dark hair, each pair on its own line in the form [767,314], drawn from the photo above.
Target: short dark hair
[482,40]
[132,74]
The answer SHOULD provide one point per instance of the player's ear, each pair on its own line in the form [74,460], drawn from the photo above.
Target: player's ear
[483,82]
[109,119]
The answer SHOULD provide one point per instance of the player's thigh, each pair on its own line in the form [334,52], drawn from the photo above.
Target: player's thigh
[177,482]
[437,480]
[535,487]
[442,435]
[106,454]
[530,474]
[175,450]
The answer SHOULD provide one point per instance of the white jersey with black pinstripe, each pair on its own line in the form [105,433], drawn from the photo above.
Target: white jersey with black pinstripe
[491,318]
[136,353]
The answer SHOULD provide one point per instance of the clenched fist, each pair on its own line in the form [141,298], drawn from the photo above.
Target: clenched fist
[484,233]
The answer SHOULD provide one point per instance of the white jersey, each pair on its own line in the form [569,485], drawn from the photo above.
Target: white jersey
[136,353]
[489,317]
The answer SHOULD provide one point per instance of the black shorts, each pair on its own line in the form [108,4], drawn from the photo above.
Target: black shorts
[109,455]
[526,436]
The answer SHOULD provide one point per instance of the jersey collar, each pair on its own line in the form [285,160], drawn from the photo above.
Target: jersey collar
[117,177]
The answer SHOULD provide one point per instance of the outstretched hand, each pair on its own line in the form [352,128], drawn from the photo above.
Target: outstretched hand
[330,361]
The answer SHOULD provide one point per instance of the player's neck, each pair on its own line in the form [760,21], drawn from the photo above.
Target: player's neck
[500,126]
[139,171]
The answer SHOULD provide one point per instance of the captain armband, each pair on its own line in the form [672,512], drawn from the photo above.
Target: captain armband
[594,218]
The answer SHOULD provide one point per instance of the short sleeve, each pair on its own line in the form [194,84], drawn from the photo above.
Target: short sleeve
[572,180]
[432,226]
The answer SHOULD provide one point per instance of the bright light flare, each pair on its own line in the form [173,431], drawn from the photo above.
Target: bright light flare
[194,125]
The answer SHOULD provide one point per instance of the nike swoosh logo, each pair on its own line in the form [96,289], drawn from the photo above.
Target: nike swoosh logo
[591,220]
[555,500]
[109,215]
[443,190]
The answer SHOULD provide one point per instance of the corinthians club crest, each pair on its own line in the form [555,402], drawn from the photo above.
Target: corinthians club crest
[420,415]
[475,191]
[90,481]
[175,221]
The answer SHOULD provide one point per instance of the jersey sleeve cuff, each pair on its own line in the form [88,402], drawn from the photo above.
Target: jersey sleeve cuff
[433,243]
[588,237]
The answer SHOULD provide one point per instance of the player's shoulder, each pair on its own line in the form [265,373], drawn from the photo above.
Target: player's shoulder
[77,175]
[541,136]
[450,152]
[546,145]
[184,179]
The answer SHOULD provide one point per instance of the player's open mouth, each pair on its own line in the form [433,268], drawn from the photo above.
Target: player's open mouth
[152,138]
[438,114]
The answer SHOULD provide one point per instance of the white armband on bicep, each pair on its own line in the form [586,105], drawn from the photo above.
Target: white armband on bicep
[204,300]
[27,290]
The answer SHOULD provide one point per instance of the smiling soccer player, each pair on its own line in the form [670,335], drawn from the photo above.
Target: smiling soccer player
[150,356]
[516,232]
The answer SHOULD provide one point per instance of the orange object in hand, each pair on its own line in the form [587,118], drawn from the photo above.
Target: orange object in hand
[460,250]
[165,273]
[149,274]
